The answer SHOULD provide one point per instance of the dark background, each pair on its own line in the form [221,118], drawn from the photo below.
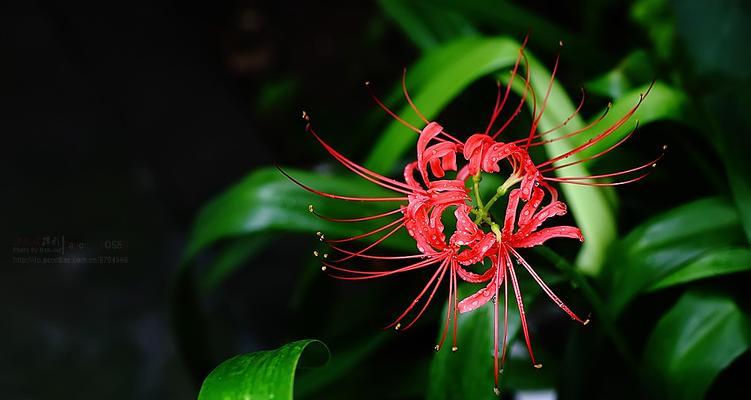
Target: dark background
[121,119]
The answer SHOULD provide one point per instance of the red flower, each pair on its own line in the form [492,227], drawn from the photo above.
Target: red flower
[427,194]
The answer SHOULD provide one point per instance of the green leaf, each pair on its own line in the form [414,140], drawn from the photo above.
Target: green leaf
[700,336]
[716,263]
[261,375]
[447,71]
[668,243]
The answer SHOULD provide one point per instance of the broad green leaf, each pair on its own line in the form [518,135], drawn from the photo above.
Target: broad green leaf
[451,68]
[716,263]
[261,375]
[662,103]
[668,243]
[266,201]
[700,336]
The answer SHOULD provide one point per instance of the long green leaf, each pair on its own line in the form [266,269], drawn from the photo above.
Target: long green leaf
[715,263]
[448,70]
[700,336]
[669,242]
[260,375]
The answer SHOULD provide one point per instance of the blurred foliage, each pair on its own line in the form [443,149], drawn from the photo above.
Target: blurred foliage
[671,289]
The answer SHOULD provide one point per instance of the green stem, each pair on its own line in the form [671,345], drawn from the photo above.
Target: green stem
[476,181]
[597,303]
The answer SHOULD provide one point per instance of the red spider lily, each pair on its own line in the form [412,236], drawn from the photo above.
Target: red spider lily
[519,233]
[426,194]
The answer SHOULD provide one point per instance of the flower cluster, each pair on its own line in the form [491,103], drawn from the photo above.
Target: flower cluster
[443,184]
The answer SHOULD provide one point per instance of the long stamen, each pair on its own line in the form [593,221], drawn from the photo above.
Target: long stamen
[499,108]
[522,315]
[547,290]
[376,243]
[496,109]
[409,99]
[537,119]
[366,234]
[570,134]
[361,219]
[375,257]
[590,183]
[602,135]
[449,307]
[598,155]
[418,297]
[454,267]
[334,196]
[521,101]
[442,269]
[362,171]
[505,318]
[650,164]
[378,274]
[562,124]
[388,110]
[496,370]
